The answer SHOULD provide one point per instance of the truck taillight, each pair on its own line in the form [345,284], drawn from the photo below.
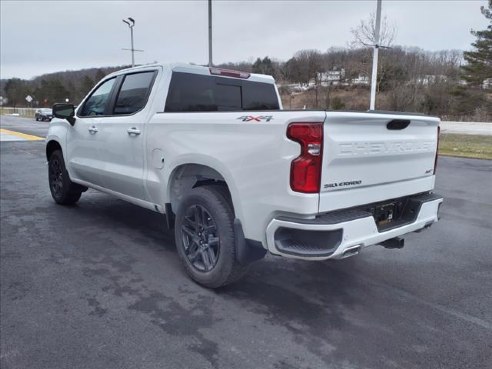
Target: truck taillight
[437,149]
[305,170]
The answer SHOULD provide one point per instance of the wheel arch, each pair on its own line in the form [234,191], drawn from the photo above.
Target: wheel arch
[186,176]
[52,146]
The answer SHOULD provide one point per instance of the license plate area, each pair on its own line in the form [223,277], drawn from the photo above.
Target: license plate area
[384,214]
[389,214]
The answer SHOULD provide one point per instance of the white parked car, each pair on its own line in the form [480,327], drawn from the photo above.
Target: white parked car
[237,176]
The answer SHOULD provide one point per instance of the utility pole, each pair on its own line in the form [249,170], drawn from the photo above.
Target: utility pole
[210,33]
[375,57]
[131,23]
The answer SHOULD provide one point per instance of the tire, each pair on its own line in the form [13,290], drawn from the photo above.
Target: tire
[205,239]
[63,190]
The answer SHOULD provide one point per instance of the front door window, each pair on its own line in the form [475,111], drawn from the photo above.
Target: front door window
[97,103]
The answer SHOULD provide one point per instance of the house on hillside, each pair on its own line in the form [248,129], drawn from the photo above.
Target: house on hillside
[331,78]
[293,87]
[487,84]
[430,79]
[360,80]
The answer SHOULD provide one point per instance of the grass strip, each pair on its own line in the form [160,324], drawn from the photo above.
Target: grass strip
[465,146]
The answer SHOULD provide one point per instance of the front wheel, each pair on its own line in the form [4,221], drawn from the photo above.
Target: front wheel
[205,239]
[63,190]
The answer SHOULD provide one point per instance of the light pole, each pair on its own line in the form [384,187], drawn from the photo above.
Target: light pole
[375,57]
[131,23]
[210,33]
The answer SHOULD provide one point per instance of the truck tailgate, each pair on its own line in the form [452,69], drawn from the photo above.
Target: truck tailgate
[370,157]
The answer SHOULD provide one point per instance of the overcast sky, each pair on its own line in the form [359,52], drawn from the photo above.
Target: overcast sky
[39,37]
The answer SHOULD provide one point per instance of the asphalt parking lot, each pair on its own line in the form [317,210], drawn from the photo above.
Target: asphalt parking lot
[99,285]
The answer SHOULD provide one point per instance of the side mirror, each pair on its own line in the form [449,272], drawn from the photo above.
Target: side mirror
[64,111]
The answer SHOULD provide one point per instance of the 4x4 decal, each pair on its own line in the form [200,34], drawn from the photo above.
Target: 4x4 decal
[259,118]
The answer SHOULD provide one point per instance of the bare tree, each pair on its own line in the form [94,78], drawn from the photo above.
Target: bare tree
[304,66]
[365,33]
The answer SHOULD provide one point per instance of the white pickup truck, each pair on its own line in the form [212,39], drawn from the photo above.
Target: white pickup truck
[237,176]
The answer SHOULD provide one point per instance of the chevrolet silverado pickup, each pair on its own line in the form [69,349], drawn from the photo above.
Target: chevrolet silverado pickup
[236,175]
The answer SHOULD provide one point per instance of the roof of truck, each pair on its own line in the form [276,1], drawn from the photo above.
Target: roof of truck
[199,69]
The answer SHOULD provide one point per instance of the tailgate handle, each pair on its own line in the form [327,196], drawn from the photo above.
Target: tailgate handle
[397,124]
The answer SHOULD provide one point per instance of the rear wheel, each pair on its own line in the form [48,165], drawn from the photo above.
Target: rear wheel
[63,190]
[205,237]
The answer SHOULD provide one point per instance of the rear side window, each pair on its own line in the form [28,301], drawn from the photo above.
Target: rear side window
[190,92]
[227,97]
[133,93]
[260,96]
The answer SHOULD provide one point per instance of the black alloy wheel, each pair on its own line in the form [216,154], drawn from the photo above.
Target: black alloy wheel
[56,177]
[200,238]
[205,236]
[62,189]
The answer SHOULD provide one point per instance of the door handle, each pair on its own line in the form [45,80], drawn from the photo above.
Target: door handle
[133,131]
[93,130]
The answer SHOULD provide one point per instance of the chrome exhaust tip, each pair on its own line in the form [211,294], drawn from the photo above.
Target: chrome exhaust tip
[351,251]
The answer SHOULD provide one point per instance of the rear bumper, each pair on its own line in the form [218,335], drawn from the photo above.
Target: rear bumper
[338,234]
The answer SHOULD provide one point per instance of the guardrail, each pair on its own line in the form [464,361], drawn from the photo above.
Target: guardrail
[468,128]
[23,112]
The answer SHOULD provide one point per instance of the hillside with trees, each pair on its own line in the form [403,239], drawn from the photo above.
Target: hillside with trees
[54,87]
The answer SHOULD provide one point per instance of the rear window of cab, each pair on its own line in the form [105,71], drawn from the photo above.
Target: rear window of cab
[190,92]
